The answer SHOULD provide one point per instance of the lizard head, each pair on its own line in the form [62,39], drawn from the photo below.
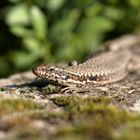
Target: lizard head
[51,72]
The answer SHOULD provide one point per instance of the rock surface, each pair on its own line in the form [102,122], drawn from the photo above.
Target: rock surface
[31,108]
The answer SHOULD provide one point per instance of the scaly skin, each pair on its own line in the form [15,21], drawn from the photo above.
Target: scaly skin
[109,66]
[103,69]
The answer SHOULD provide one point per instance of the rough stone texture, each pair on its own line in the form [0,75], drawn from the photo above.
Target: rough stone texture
[124,94]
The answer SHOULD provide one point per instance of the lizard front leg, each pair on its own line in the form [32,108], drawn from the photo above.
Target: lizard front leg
[78,88]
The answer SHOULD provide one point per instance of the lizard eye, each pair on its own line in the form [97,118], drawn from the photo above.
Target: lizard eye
[51,68]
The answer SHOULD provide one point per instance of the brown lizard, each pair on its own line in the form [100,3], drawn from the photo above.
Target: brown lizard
[107,67]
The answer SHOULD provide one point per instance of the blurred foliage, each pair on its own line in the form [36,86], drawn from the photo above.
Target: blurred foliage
[33,32]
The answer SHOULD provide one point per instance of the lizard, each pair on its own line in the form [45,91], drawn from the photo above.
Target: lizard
[107,67]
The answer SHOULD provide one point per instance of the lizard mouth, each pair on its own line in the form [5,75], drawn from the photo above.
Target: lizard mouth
[34,71]
[37,72]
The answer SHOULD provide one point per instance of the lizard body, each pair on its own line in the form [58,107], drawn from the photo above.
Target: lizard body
[107,67]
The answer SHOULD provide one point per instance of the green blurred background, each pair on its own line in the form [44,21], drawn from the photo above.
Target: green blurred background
[44,31]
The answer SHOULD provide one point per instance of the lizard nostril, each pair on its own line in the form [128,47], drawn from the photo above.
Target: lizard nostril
[34,70]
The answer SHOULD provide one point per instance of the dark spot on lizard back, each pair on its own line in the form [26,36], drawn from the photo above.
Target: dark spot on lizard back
[93,78]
